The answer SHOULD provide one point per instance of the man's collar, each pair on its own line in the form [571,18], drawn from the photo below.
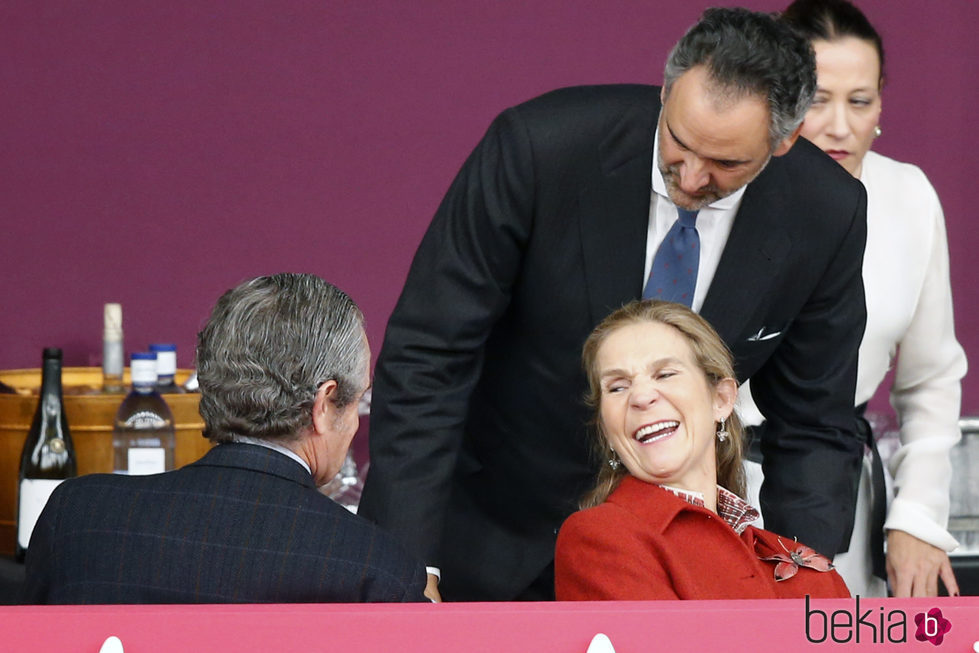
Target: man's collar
[659,185]
[274,446]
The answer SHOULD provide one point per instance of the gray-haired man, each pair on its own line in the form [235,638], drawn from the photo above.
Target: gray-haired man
[282,362]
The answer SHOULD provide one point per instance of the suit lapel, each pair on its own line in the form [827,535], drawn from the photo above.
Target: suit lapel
[752,259]
[615,211]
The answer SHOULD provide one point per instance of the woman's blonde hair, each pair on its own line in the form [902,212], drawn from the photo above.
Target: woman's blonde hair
[712,357]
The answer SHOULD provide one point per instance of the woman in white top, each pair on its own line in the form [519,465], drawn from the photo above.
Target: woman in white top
[909,305]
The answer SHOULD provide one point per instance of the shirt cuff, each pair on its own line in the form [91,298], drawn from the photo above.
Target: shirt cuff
[912,519]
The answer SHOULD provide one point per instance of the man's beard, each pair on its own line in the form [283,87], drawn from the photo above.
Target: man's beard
[706,195]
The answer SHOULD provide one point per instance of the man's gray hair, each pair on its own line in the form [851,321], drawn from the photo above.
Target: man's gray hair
[266,349]
[750,53]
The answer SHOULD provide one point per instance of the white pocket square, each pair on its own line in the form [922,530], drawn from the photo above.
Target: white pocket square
[762,335]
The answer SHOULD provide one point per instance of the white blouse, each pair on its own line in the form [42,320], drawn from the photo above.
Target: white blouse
[909,316]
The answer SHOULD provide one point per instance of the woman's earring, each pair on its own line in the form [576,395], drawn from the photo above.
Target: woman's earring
[614,462]
[877,131]
[722,432]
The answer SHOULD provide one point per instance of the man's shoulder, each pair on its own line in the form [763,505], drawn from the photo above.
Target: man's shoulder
[568,125]
[808,179]
[806,161]
[87,483]
[586,103]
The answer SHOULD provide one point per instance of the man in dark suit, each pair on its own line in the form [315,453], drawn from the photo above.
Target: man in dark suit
[282,363]
[478,431]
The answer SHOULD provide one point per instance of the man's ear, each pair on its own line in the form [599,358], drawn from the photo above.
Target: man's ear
[324,408]
[787,143]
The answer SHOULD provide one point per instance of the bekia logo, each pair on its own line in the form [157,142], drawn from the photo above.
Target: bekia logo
[932,626]
[845,626]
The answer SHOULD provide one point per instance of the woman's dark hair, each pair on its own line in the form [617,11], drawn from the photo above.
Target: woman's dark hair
[829,20]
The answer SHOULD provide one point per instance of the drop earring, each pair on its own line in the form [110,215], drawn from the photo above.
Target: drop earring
[614,462]
[722,433]
[877,131]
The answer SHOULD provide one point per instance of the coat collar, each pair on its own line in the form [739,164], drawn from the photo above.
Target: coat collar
[659,506]
[257,459]
[652,504]
[753,256]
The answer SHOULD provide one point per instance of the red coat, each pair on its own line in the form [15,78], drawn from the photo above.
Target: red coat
[646,543]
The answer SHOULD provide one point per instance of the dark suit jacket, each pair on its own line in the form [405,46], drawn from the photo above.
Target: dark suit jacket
[244,524]
[478,434]
[645,543]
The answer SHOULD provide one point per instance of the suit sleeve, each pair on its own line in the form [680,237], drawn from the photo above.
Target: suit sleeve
[599,560]
[811,452]
[457,288]
[414,590]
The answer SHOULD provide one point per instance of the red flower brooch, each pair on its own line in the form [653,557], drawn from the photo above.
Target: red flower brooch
[788,561]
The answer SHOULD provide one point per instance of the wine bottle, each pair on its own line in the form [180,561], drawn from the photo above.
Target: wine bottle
[143,437]
[49,454]
[166,367]
[112,356]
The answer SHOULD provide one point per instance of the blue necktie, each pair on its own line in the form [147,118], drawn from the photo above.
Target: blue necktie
[674,273]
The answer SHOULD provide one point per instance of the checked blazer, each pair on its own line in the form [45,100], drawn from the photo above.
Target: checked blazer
[244,524]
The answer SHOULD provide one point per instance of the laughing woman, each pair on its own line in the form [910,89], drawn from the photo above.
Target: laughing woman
[665,520]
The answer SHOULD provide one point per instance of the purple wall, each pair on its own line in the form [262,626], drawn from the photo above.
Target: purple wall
[157,154]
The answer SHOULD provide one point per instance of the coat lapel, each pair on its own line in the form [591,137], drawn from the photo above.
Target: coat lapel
[752,259]
[615,212]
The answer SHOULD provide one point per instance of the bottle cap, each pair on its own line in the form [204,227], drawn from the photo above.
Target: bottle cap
[166,358]
[143,368]
[52,352]
[112,321]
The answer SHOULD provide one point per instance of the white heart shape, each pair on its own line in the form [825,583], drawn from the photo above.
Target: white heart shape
[112,644]
[975,647]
